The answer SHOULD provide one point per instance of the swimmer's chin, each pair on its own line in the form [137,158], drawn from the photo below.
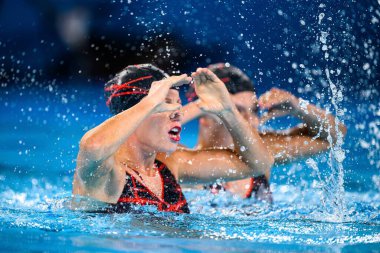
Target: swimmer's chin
[170,151]
[170,147]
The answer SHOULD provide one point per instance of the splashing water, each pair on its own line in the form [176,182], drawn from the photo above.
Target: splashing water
[334,208]
[314,209]
[336,191]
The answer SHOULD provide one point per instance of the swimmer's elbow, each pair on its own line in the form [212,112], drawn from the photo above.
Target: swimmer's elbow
[91,148]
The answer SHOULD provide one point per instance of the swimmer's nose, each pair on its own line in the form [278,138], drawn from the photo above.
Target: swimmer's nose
[176,115]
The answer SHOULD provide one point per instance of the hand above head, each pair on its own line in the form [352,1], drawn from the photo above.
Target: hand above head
[159,90]
[278,103]
[212,92]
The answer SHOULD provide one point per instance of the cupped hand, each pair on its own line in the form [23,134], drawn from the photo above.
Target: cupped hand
[212,92]
[159,91]
[278,103]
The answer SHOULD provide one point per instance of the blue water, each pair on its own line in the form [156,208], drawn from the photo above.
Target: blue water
[40,130]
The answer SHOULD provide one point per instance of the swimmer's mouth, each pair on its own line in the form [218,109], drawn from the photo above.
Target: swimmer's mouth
[174,134]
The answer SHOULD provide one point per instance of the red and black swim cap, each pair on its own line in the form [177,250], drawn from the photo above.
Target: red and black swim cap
[235,79]
[130,85]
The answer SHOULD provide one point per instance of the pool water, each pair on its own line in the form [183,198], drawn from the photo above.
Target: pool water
[40,130]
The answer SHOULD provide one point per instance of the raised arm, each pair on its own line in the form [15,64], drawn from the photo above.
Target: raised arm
[311,137]
[101,142]
[251,156]
[191,111]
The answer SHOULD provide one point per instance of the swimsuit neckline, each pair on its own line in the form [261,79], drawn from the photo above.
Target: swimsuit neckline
[159,169]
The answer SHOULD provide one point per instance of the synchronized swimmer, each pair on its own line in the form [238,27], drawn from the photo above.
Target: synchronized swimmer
[132,158]
[308,138]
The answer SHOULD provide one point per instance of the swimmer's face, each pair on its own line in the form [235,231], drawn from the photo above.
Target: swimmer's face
[246,103]
[161,131]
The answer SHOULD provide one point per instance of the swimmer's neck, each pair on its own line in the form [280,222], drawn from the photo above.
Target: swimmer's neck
[137,156]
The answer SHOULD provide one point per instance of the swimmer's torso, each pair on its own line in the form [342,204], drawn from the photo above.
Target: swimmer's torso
[136,193]
[125,190]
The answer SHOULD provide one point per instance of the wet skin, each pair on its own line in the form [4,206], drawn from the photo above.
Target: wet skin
[309,138]
[132,140]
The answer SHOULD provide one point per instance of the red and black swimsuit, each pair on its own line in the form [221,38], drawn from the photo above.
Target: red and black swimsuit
[256,185]
[135,193]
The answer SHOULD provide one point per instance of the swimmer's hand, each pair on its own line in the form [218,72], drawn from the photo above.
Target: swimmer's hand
[212,92]
[159,90]
[278,103]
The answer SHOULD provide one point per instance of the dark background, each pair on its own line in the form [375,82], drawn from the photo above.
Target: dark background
[275,42]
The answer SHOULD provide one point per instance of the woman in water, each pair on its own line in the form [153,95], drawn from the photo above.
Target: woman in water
[120,162]
[318,131]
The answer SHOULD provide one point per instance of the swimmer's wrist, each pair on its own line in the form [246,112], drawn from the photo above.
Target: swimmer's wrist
[228,112]
[228,108]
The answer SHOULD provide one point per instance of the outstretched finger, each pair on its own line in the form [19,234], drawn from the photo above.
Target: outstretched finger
[180,80]
[202,76]
[196,79]
[211,76]
[265,101]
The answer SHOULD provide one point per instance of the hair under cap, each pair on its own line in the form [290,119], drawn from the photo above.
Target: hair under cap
[130,85]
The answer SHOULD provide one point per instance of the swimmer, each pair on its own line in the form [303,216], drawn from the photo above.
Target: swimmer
[124,161]
[307,139]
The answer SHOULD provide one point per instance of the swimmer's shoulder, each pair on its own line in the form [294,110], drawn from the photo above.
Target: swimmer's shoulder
[103,184]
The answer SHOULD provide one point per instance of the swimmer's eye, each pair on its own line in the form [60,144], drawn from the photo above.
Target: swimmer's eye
[169,101]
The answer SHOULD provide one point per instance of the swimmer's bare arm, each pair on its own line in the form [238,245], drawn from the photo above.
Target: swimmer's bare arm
[251,156]
[205,166]
[287,148]
[98,145]
[191,111]
[311,137]
[95,163]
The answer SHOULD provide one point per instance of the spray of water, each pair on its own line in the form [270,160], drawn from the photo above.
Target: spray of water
[332,185]
[335,184]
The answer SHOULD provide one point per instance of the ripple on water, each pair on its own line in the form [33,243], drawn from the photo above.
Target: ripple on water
[294,218]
